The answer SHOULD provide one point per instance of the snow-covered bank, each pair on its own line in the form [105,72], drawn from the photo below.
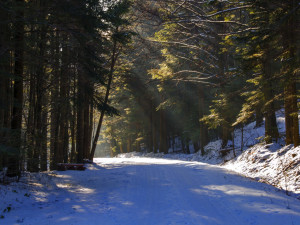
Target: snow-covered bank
[269,163]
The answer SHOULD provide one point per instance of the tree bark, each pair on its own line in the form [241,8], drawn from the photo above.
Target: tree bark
[163,146]
[54,124]
[290,89]
[73,125]
[64,103]
[86,126]
[271,130]
[80,120]
[154,130]
[5,90]
[129,144]
[16,123]
[203,127]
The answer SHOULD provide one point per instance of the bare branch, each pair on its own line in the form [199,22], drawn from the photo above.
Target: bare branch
[229,10]
[186,45]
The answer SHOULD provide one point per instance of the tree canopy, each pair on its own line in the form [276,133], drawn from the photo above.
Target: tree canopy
[154,75]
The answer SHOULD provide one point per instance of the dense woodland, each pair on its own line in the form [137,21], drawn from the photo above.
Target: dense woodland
[146,72]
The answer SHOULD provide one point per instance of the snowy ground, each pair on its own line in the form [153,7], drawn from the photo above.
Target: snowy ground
[268,163]
[274,164]
[146,191]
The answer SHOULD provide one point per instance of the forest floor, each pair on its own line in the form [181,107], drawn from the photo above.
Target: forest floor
[139,191]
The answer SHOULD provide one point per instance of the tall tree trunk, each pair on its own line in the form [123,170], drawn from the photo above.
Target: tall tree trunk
[54,125]
[259,117]
[233,144]
[111,72]
[16,123]
[154,130]
[271,130]
[86,127]
[73,124]
[291,114]
[5,90]
[91,127]
[44,132]
[226,134]
[30,123]
[163,146]
[129,144]
[40,107]
[288,118]
[290,89]
[150,136]
[188,146]
[64,109]
[121,147]
[80,120]
[242,137]
[203,127]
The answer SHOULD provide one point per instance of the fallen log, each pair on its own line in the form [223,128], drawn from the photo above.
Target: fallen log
[70,166]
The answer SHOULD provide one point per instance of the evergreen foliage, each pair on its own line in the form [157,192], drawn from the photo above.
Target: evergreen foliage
[163,75]
[58,53]
[214,66]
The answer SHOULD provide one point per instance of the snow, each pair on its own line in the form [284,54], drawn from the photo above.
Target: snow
[274,164]
[147,188]
[146,191]
[271,164]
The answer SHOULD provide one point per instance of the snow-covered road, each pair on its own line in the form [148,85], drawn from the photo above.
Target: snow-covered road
[139,191]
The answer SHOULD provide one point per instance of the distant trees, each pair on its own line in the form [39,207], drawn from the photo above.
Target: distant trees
[217,65]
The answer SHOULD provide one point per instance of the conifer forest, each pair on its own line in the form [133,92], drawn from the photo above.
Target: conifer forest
[140,75]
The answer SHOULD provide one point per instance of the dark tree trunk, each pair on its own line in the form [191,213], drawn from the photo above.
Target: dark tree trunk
[288,118]
[64,109]
[150,136]
[5,90]
[42,92]
[86,127]
[196,146]
[54,125]
[226,134]
[44,152]
[203,127]
[188,147]
[163,145]
[80,120]
[91,127]
[40,106]
[73,124]
[271,131]
[259,117]
[16,123]
[290,89]
[129,144]
[30,124]
[154,130]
